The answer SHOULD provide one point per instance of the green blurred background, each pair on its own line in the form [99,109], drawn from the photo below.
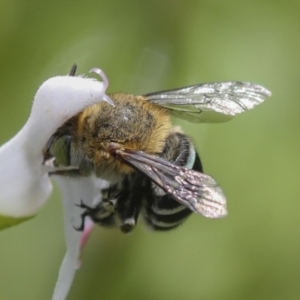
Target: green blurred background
[145,46]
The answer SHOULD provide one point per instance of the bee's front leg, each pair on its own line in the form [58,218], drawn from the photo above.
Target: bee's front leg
[87,212]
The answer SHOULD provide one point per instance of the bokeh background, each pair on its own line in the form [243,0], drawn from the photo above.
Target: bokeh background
[145,46]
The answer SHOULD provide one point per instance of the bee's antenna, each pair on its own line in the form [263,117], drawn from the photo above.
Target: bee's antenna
[73,70]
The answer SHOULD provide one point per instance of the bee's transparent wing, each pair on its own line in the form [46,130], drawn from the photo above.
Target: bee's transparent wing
[197,191]
[210,102]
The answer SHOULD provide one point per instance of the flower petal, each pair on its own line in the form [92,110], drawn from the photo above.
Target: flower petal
[73,191]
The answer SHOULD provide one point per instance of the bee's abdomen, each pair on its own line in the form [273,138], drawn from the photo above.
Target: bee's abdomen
[161,212]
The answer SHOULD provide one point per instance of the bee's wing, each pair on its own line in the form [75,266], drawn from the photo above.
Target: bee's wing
[210,102]
[197,191]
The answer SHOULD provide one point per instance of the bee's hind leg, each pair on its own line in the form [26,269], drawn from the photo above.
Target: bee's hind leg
[129,202]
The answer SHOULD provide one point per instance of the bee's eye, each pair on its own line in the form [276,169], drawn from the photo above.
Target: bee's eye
[60,149]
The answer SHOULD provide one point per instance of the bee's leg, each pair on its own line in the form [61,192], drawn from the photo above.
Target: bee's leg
[162,212]
[83,216]
[128,209]
[129,203]
[103,213]
[119,207]
[86,213]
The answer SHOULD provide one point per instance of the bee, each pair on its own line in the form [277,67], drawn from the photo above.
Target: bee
[153,167]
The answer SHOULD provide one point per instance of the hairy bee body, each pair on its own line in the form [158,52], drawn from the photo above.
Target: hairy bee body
[152,167]
[132,124]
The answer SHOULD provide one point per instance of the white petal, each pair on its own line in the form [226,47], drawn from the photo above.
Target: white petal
[73,191]
[24,186]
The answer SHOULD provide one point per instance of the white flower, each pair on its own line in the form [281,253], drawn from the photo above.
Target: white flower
[74,190]
[24,182]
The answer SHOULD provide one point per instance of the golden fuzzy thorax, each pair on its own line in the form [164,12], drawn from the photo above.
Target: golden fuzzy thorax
[133,124]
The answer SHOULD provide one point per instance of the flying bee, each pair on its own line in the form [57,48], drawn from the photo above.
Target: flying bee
[153,168]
